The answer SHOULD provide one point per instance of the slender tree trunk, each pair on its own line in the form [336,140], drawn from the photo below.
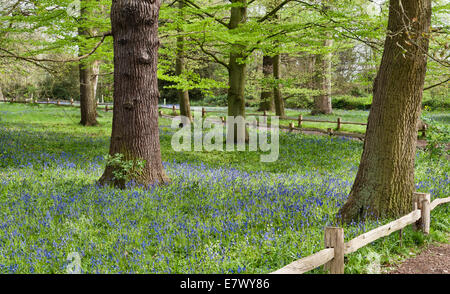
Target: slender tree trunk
[278,99]
[385,180]
[1,94]
[88,71]
[322,102]
[267,100]
[88,86]
[183,95]
[135,132]
[237,71]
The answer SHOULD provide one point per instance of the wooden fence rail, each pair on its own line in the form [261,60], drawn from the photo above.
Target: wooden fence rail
[332,258]
[291,127]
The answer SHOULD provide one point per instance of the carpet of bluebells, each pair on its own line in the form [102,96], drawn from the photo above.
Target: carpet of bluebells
[221,213]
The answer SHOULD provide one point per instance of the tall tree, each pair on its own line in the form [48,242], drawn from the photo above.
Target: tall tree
[88,69]
[237,68]
[278,99]
[385,180]
[183,94]
[135,132]
[322,102]
[267,102]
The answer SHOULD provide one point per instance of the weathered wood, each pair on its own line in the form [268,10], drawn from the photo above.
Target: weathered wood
[334,238]
[418,199]
[291,126]
[385,230]
[307,263]
[300,119]
[203,112]
[338,123]
[174,111]
[439,201]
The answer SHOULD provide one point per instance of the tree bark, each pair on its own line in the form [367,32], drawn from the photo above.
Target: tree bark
[1,94]
[278,99]
[135,132]
[237,71]
[322,102]
[183,95]
[88,71]
[267,100]
[385,180]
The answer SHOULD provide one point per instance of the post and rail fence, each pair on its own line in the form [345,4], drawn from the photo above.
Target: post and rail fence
[300,119]
[332,257]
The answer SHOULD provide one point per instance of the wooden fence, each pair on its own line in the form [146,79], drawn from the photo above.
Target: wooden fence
[339,122]
[291,126]
[332,257]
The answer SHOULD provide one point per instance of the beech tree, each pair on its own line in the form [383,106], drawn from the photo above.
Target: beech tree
[88,71]
[183,94]
[135,134]
[385,180]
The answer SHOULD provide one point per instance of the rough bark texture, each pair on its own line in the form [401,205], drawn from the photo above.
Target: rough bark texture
[1,94]
[135,119]
[278,99]
[183,95]
[322,102]
[385,180]
[237,69]
[88,71]
[267,101]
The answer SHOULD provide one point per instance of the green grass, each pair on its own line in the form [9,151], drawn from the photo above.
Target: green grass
[223,212]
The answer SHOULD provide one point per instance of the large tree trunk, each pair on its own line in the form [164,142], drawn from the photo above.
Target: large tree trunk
[278,99]
[385,180]
[237,72]
[267,101]
[322,102]
[135,132]
[88,71]
[183,95]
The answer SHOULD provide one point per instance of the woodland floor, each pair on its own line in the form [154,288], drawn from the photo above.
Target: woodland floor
[433,260]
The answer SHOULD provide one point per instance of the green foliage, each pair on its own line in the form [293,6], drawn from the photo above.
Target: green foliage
[351,102]
[438,137]
[124,170]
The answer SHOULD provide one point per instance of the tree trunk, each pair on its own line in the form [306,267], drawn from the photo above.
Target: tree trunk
[1,94]
[267,101]
[183,95]
[385,180]
[322,102]
[237,71]
[88,87]
[88,71]
[279,102]
[135,132]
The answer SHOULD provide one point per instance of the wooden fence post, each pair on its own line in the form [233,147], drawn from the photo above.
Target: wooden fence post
[71,101]
[203,112]
[338,123]
[174,110]
[160,113]
[57,102]
[334,238]
[422,201]
[291,126]
[106,108]
[300,118]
